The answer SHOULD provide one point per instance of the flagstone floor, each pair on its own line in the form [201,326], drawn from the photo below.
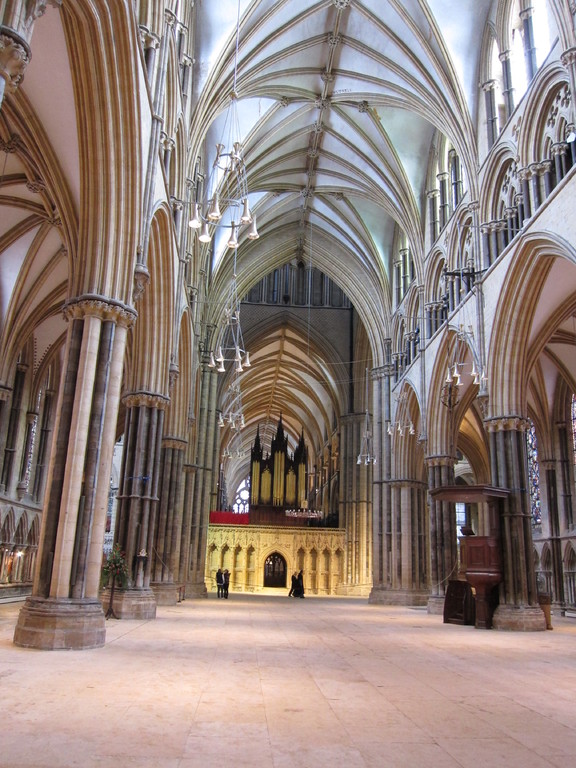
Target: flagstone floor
[261,680]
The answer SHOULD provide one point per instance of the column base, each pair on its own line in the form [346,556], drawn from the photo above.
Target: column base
[50,624]
[167,594]
[519,618]
[353,590]
[436,605]
[196,589]
[130,604]
[384,596]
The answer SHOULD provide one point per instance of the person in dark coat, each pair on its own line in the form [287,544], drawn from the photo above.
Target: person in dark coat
[220,582]
[226,586]
[300,585]
[294,585]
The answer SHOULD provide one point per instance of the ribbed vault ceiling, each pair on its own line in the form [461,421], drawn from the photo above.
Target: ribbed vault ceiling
[340,106]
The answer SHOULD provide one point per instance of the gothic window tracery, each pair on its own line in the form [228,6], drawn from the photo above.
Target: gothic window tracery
[534,475]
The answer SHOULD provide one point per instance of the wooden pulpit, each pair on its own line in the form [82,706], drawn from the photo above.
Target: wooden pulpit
[481,555]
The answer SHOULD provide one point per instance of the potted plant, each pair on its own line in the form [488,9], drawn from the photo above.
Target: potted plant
[115,571]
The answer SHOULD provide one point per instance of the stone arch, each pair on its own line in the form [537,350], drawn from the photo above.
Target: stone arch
[510,355]
[550,101]
[152,335]
[275,570]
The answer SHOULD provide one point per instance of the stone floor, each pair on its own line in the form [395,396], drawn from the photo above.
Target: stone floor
[283,683]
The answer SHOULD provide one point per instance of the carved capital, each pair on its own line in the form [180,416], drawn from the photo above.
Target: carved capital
[176,443]
[141,280]
[14,58]
[98,306]
[507,424]
[439,461]
[146,400]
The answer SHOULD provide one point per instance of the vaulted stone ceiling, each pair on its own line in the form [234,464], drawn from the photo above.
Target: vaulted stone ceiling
[341,105]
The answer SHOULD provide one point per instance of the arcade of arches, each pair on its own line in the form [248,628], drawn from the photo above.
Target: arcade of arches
[409,306]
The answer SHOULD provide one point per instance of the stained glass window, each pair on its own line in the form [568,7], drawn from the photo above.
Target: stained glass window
[534,475]
[242,500]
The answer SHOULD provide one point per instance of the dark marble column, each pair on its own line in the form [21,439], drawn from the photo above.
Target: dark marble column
[169,526]
[443,533]
[138,501]
[206,468]
[519,608]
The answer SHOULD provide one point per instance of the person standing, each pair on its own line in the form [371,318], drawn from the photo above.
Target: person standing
[301,584]
[294,585]
[226,585]
[220,582]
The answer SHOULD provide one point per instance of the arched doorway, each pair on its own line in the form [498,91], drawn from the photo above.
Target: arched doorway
[275,571]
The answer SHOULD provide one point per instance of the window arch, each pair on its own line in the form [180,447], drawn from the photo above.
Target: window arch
[534,476]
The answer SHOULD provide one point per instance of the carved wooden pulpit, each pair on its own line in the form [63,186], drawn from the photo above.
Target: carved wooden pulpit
[481,555]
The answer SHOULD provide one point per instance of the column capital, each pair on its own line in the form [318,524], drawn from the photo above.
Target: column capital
[149,39]
[440,461]
[92,305]
[146,399]
[489,85]
[381,372]
[568,57]
[177,443]
[507,424]
[14,58]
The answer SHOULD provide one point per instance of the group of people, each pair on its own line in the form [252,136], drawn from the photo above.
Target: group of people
[297,586]
[223,582]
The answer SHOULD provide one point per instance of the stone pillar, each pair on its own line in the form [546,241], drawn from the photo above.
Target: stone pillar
[507,89]
[206,469]
[519,608]
[552,487]
[355,508]
[189,473]
[14,434]
[381,502]
[491,115]
[433,214]
[525,175]
[528,39]
[64,610]
[443,533]
[169,528]
[138,501]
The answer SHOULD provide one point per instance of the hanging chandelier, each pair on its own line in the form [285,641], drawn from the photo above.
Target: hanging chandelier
[401,428]
[366,455]
[230,346]
[464,341]
[223,200]
[232,413]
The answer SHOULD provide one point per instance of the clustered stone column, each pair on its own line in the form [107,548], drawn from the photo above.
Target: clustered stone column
[518,608]
[166,557]
[205,476]
[138,500]
[64,610]
[443,533]
[355,507]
